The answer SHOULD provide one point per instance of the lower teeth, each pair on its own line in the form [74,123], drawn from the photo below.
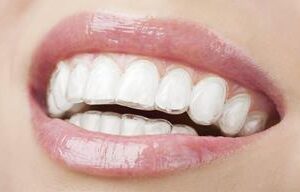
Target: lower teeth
[127,124]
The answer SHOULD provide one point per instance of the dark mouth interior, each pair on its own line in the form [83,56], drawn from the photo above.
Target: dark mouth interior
[183,118]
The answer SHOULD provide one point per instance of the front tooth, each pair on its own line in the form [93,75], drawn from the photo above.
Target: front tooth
[75,119]
[102,82]
[90,121]
[157,127]
[183,129]
[110,123]
[138,85]
[132,125]
[235,114]
[255,122]
[78,78]
[207,100]
[174,91]
[58,89]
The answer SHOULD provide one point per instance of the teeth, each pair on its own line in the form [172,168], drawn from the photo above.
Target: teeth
[128,125]
[208,98]
[183,129]
[102,82]
[174,91]
[157,127]
[57,102]
[52,108]
[255,122]
[78,78]
[138,85]
[90,121]
[235,114]
[98,81]
[75,119]
[132,125]
[110,123]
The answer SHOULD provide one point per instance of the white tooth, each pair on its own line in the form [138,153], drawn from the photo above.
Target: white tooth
[132,125]
[138,85]
[58,87]
[110,123]
[255,122]
[103,81]
[235,114]
[90,120]
[78,78]
[174,91]
[52,108]
[183,129]
[207,100]
[75,119]
[157,127]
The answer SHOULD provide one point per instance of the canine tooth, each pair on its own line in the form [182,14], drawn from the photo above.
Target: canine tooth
[157,127]
[174,91]
[75,119]
[207,100]
[235,114]
[183,129]
[255,122]
[110,123]
[78,78]
[138,85]
[90,121]
[58,87]
[103,81]
[52,108]
[132,125]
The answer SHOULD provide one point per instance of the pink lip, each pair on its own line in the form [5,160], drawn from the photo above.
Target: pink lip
[106,155]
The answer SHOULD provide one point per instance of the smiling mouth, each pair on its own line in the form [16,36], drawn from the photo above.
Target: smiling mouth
[130,97]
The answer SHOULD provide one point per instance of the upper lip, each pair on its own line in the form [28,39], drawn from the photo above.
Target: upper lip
[171,39]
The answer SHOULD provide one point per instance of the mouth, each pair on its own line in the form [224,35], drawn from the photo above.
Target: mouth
[118,96]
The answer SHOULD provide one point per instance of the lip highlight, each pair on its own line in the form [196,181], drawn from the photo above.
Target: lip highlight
[107,155]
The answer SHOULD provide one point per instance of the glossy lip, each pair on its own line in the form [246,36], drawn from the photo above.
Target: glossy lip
[106,155]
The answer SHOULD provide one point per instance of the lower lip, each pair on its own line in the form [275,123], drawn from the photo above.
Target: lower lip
[117,156]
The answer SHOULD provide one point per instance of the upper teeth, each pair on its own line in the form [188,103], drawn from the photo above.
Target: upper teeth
[57,101]
[235,114]
[139,85]
[78,78]
[208,99]
[105,76]
[255,122]
[174,91]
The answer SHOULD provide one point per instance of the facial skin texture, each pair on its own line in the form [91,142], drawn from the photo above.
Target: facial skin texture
[268,31]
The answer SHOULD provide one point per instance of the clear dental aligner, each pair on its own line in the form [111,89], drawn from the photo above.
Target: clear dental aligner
[149,84]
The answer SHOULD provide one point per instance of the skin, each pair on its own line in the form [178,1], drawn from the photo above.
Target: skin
[267,30]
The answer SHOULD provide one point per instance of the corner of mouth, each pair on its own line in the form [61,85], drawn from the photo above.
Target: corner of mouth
[194,47]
